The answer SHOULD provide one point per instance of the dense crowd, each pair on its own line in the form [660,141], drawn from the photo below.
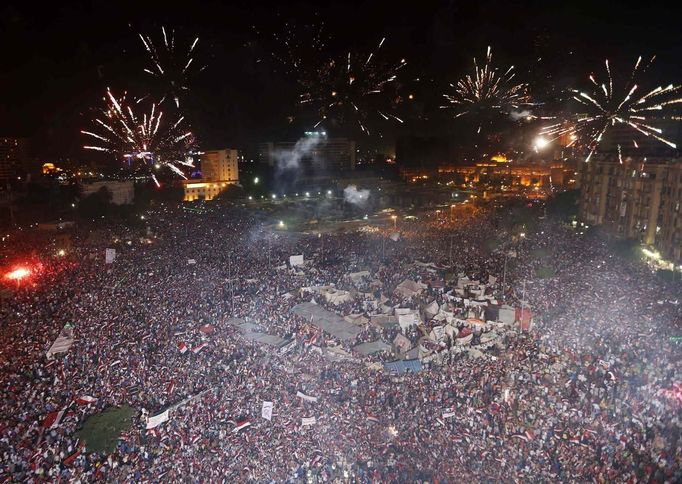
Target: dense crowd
[588,394]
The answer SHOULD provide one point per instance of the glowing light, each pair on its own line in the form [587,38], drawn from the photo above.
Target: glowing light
[256,180]
[18,274]
[281,223]
[541,142]
[61,252]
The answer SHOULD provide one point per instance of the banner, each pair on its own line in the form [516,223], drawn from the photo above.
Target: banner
[156,420]
[296,260]
[306,397]
[266,411]
[109,256]
[448,414]
[308,421]
[191,262]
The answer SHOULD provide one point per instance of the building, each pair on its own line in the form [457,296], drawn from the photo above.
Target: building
[640,198]
[315,154]
[219,169]
[122,192]
[13,157]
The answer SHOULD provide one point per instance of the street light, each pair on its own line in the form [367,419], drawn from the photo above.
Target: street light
[255,181]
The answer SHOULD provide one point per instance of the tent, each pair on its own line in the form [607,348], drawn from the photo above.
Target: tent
[409,288]
[371,347]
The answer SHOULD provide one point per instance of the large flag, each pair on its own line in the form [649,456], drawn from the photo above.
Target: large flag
[53,419]
[266,411]
[241,425]
[85,400]
[156,420]
[197,349]
[308,398]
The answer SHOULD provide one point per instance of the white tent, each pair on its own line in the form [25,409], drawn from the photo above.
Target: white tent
[296,260]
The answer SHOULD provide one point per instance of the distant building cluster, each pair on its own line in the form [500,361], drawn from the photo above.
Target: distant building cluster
[321,155]
[640,198]
[13,157]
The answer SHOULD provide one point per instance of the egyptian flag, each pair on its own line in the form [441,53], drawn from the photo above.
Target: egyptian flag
[86,400]
[197,349]
[372,418]
[53,419]
[70,459]
[241,425]
[170,387]
[182,347]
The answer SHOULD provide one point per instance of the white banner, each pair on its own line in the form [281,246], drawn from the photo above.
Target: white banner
[407,320]
[449,414]
[191,261]
[109,256]
[266,411]
[306,397]
[308,421]
[157,420]
[439,333]
[296,260]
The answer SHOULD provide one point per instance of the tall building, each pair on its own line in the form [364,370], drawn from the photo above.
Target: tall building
[640,198]
[12,157]
[315,152]
[219,169]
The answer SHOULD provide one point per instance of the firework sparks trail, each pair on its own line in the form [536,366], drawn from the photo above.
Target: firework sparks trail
[149,138]
[170,63]
[487,90]
[349,88]
[609,106]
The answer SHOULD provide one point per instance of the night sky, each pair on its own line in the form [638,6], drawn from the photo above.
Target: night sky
[59,58]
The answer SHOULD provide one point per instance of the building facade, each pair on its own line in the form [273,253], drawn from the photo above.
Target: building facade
[640,199]
[12,157]
[219,169]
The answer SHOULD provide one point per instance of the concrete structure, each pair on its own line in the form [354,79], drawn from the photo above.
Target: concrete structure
[13,157]
[641,198]
[122,192]
[316,153]
[219,169]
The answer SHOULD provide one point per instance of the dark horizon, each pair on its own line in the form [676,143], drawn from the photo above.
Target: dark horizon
[60,58]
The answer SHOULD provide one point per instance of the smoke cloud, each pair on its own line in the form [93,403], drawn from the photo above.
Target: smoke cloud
[516,115]
[291,159]
[351,194]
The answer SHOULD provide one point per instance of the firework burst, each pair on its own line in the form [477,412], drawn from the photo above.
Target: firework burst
[487,90]
[353,88]
[148,137]
[609,105]
[298,45]
[172,63]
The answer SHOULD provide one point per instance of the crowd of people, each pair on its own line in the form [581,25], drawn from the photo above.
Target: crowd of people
[590,393]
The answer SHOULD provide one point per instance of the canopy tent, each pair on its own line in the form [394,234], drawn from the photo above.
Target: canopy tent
[326,320]
[371,347]
[409,288]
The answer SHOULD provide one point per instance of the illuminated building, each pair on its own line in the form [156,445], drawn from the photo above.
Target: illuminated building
[12,157]
[219,170]
[640,198]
